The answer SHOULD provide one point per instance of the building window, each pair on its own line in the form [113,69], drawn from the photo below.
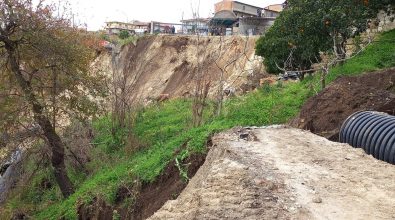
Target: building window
[244,7]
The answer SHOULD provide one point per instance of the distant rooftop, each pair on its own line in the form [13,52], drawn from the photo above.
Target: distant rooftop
[248,4]
[275,7]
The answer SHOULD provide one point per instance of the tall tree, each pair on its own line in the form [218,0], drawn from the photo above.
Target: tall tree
[308,27]
[45,74]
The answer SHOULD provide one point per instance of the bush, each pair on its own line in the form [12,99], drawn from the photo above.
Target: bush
[124,34]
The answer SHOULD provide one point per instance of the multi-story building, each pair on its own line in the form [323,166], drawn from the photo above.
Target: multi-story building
[237,17]
[134,27]
[273,11]
[240,9]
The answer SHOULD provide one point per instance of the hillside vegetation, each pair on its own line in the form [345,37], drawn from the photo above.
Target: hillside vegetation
[163,132]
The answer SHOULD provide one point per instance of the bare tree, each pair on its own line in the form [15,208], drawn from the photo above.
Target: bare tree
[46,60]
[202,84]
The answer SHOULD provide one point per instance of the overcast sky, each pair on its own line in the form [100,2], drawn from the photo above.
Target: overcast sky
[95,12]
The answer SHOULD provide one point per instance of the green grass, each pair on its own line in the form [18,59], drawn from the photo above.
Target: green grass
[130,40]
[166,128]
[379,55]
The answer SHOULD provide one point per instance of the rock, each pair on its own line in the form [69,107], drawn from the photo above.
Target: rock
[317,199]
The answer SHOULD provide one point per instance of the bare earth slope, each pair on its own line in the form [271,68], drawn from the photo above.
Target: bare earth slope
[170,65]
[285,173]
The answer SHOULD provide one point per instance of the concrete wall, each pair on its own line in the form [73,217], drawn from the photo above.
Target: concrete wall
[254,26]
[270,14]
[245,9]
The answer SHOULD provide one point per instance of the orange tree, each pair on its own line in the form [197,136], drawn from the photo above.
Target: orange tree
[308,27]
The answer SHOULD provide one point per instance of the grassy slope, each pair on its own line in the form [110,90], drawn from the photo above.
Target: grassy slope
[379,55]
[166,127]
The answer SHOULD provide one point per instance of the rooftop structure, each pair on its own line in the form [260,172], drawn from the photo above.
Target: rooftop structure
[273,11]
[275,7]
[240,9]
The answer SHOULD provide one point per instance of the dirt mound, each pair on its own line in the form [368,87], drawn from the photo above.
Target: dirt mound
[324,114]
[283,173]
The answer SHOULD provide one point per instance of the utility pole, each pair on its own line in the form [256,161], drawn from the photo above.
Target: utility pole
[182,22]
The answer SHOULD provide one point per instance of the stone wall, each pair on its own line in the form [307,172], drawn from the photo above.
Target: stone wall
[384,22]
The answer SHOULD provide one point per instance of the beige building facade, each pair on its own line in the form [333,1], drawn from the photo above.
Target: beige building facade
[240,9]
[134,27]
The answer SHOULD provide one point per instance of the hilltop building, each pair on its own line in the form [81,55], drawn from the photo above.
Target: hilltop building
[231,17]
[238,8]
[273,11]
[134,27]
[195,26]
[237,17]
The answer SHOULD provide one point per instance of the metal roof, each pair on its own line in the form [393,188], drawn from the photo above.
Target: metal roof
[224,17]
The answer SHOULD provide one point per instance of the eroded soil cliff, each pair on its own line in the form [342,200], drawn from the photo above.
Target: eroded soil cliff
[170,66]
[285,173]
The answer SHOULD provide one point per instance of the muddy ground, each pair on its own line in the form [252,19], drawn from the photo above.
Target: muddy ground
[324,114]
[285,173]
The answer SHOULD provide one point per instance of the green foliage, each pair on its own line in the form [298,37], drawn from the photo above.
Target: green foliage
[104,36]
[379,55]
[166,129]
[110,138]
[129,40]
[46,69]
[124,34]
[181,168]
[297,29]
[116,216]
[308,27]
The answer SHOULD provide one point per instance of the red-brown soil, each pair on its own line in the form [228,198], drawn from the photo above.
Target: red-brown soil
[324,114]
[167,187]
[149,197]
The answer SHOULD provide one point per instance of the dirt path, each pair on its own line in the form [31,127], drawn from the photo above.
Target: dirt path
[285,173]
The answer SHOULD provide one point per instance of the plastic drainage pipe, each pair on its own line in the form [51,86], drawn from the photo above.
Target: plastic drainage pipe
[372,131]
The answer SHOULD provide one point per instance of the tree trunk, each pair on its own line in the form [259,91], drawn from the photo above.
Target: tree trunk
[52,137]
[341,49]
[323,81]
[324,73]
[57,148]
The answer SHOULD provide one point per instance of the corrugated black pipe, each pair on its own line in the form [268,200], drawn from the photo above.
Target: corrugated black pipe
[372,131]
